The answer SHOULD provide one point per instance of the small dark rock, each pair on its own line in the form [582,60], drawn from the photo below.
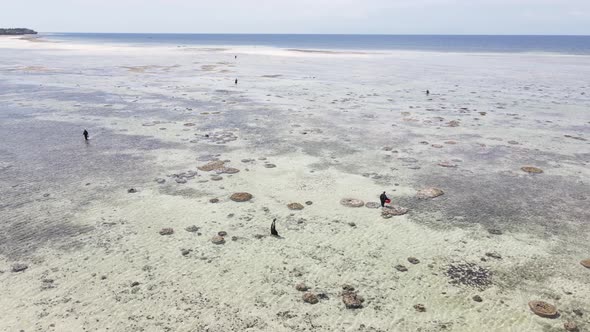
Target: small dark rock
[420,307]
[477,298]
[135,283]
[132,190]
[214,200]
[310,298]
[570,326]
[166,231]
[222,233]
[348,288]
[19,267]
[192,229]
[352,300]
[308,203]
[241,197]
[413,260]
[295,206]
[495,231]
[218,239]
[301,287]
[493,255]
[185,252]
[401,268]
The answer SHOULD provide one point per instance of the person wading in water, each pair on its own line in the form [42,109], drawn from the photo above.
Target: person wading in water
[85,133]
[384,199]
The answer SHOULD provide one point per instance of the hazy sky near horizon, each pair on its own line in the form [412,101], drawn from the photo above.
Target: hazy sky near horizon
[302,16]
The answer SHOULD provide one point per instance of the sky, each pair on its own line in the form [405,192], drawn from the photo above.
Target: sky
[560,17]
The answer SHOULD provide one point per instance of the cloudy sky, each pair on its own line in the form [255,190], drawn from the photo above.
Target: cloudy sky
[302,16]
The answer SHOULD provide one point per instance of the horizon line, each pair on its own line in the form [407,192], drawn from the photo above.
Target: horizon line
[321,34]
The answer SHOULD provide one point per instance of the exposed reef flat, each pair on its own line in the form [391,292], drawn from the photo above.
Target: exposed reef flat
[202,205]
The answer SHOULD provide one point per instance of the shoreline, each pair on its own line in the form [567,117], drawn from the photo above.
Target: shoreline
[276,50]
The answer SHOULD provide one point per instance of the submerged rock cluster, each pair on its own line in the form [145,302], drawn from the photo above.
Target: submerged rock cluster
[469,274]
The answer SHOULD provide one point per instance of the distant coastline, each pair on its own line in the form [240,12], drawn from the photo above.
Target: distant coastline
[17,32]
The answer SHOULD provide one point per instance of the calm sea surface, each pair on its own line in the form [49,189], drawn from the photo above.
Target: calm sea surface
[441,43]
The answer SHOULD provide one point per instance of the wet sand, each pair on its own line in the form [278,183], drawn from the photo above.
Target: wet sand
[313,127]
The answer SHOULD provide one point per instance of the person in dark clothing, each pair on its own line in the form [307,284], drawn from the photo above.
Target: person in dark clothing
[85,133]
[383,198]
[236,81]
[427,92]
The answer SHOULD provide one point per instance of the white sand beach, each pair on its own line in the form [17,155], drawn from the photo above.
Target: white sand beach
[299,127]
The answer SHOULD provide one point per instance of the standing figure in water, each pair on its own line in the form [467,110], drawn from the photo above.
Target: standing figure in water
[85,133]
[383,199]
[427,92]
[236,81]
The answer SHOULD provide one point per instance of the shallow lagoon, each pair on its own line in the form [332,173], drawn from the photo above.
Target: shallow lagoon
[336,125]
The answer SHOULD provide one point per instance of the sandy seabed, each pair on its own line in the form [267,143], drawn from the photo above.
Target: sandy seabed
[80,251]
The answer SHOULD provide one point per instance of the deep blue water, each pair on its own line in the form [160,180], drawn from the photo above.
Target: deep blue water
[441,43]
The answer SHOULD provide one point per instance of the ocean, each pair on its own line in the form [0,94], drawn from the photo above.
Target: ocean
[578,45]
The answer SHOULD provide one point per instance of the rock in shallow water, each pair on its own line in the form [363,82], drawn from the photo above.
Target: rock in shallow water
[352,300]
[192,229]
[429,193]
[469,274]
[495,231]
[166,231]
[413,260]
[218,239]
[241,197]
[532,170]
[310,298]
[19,267]
[401,268]
[218,164]
[390,211]
[352,202]
[586,263]
[230,170]
[494,255]
[301,287]
[570,326]
[295,206]
[373,205]
[420,307]
[543,309]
